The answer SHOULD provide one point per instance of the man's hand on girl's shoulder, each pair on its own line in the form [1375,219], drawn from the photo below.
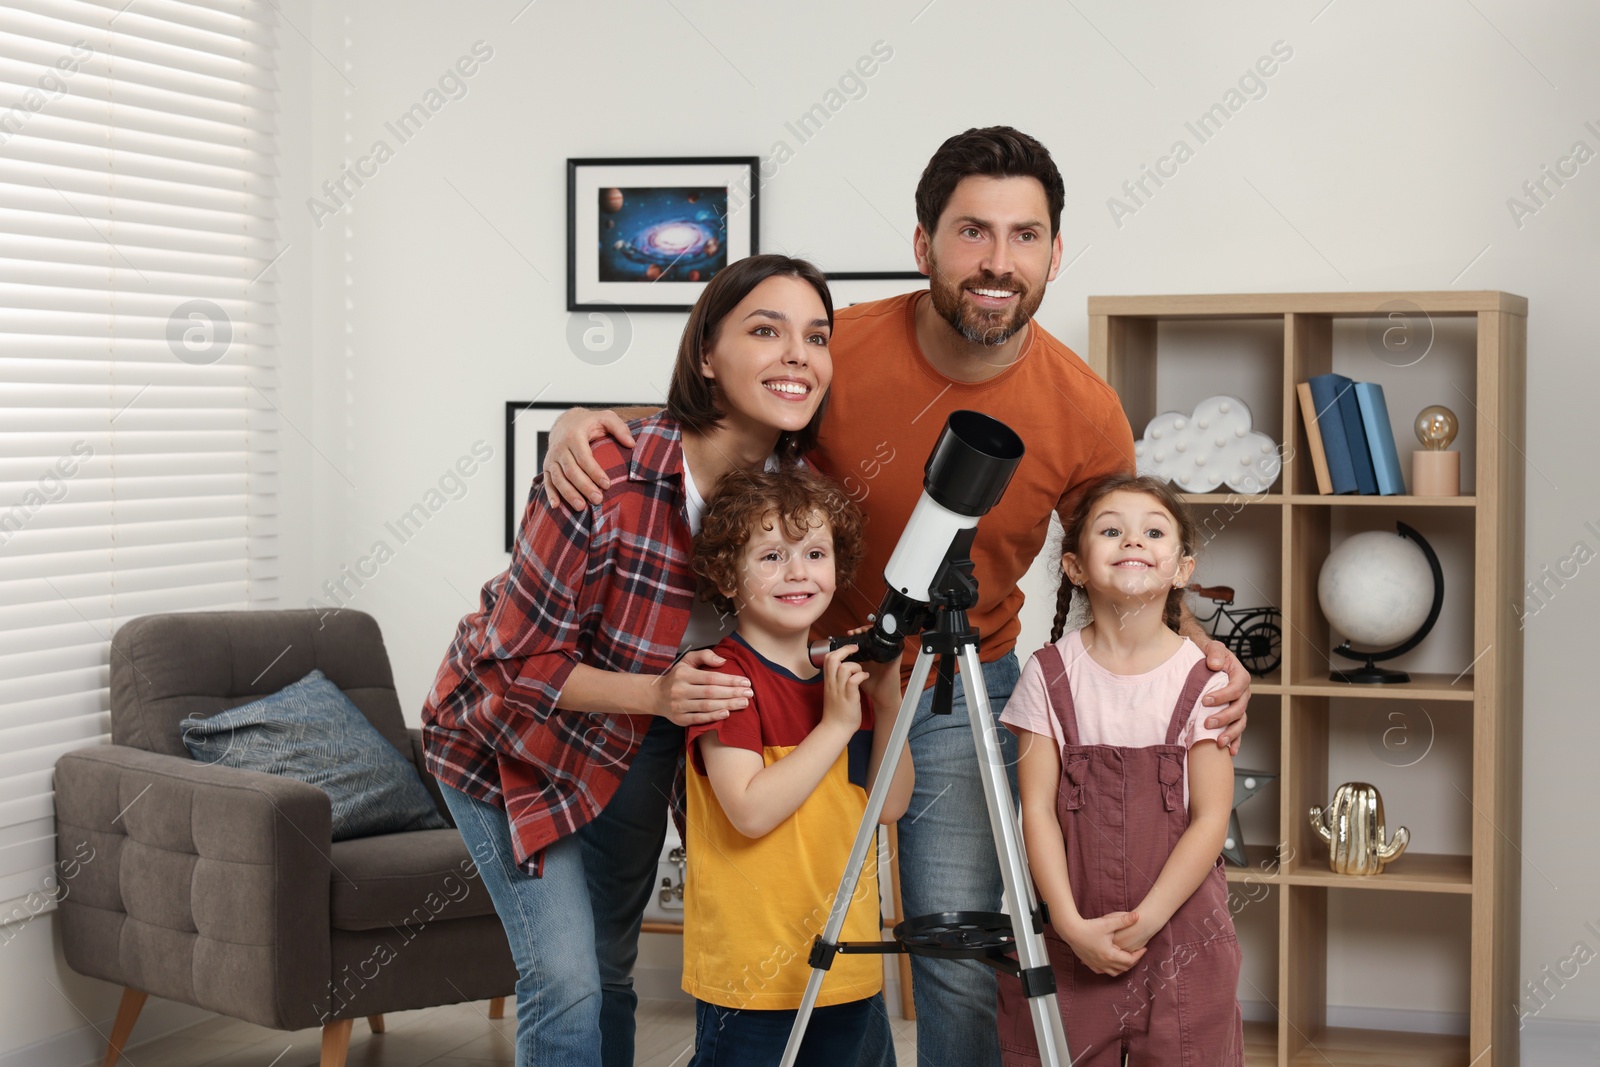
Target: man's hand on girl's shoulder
[1229,701]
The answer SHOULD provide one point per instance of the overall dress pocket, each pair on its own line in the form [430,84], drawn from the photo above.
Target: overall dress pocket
[1210,1025]
[1211,1030]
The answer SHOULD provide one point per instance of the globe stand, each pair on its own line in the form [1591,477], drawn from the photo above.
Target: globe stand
[1372,674]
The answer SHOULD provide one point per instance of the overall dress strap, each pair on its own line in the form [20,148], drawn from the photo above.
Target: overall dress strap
[1059,691]
[1199,675]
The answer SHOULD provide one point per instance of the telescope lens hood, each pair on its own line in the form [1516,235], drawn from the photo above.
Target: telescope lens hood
[972,463]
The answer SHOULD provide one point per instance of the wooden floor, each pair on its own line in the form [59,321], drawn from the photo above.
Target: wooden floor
[461,1035]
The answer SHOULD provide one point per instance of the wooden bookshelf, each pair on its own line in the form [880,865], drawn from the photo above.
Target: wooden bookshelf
[1124,338]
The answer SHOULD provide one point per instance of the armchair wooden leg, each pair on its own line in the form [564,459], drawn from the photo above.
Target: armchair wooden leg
[497,1008]
[336,1042]
[127,1015]
[376,1023]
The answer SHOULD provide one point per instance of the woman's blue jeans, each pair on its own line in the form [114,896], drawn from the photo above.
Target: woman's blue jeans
[574,932]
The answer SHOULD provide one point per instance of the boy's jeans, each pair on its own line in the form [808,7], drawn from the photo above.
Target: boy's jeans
[730,1037]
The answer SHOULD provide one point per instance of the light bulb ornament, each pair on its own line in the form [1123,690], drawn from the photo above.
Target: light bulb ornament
[1436,427]
[1436,471]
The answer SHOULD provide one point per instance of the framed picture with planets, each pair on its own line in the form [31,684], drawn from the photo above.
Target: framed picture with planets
[859,286]
[647,234]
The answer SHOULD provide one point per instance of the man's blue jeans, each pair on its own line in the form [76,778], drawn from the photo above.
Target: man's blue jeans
[574,932]
[948,863]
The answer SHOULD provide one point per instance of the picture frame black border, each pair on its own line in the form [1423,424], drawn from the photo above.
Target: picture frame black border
[753,162]
[876,276]
[517,496]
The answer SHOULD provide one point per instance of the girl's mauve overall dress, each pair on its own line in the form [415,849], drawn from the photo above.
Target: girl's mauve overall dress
[1122,811]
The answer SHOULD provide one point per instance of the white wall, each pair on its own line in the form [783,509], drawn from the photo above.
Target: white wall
[1380,157]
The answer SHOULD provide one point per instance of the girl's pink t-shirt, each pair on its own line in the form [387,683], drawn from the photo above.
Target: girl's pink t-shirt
[1126,710]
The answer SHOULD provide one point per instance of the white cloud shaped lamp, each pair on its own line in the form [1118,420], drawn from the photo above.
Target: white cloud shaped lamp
[1212,446]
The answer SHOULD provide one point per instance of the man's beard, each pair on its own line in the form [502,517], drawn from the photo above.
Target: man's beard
[980,326]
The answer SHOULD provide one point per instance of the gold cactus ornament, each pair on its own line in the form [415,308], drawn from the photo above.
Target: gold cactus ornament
[1352,828]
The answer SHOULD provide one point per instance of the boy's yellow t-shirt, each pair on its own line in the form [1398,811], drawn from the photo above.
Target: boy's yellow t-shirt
[752,908]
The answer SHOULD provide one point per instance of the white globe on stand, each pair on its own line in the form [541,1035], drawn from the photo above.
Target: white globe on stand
[1376,589]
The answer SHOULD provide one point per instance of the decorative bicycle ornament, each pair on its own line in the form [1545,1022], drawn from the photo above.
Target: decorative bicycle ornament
[1253,634]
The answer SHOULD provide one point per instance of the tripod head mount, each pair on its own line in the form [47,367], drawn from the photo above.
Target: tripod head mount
[930,571]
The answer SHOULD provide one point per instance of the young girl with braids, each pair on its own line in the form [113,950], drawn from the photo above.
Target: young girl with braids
[1125,800]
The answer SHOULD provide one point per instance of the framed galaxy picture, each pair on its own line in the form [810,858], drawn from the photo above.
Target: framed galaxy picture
[859,286]
[528,424]
[647,234]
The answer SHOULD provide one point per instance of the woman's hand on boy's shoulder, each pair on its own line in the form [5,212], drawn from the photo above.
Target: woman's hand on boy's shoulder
[691,693]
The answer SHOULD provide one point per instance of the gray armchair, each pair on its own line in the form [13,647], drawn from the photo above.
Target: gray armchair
[219,887]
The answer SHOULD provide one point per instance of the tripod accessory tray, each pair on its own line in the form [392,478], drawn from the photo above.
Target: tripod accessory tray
[957,935]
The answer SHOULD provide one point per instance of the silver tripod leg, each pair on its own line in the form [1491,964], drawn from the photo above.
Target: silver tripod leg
[1021,904]
[866,837]
[1019,896]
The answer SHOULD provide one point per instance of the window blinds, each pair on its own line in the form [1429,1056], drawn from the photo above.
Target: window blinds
[138,420]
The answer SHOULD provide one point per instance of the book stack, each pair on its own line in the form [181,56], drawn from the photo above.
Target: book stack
[1352,444]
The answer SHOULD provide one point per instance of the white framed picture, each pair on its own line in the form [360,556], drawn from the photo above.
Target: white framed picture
[860,287]
[647,234]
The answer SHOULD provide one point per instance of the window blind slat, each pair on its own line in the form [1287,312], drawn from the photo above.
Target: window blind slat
[127,354]
[72,181]
[25,471]
[34,545]
[86,225]
[226,17]
[153,262]
[50,199]
[49,699]
[76,725]
[140,151]
[145,49]
[29,783]
[97,732]
[46,662]
[132,480]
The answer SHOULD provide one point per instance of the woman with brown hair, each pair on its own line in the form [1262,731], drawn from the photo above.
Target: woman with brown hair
[556,723]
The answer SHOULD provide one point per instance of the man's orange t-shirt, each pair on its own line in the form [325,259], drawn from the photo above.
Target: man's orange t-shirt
[885,411]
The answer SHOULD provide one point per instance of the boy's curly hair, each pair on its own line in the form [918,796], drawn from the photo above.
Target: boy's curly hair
[794,494]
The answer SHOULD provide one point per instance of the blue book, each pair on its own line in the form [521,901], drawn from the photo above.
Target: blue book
[1380,438]
[1325,389]
[1355,435]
